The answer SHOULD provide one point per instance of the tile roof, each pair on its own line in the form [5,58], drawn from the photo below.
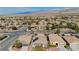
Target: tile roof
[56,38]
[41,39]
[71,39]
[25,39]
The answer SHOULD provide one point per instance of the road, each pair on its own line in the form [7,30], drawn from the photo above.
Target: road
[8,42]
[5,45]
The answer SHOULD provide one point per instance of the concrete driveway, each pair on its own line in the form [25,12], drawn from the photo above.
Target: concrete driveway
[75,47]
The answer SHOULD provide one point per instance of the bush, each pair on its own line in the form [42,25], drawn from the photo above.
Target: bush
[58,31]
[14,28]
[17,44]
[66,46]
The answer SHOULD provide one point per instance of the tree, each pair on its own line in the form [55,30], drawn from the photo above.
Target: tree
[14,28]
[58,31]
[76,28]
[47,27]
[73,26]
[54,26]
[17,44]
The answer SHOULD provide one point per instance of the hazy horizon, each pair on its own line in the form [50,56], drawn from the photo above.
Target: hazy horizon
[25,10]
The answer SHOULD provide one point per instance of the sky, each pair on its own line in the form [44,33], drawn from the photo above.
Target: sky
[22,10]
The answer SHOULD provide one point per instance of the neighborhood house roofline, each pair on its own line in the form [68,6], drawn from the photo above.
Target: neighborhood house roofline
[25,39]
[71,39]
[41,39]
[54,38]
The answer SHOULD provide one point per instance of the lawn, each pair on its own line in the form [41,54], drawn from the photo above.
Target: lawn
[66,46]
[52,46]
[38,48]
[2,37]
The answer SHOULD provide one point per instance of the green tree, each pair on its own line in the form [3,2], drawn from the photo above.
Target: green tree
[17,44]
[58,31]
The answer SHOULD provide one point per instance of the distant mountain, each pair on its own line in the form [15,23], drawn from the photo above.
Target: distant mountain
[24,12]
[71,10]
[29,12]
[66,10]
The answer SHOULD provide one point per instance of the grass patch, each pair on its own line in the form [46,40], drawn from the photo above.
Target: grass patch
[38,48]
[52,46]
[66,46]
[2,37]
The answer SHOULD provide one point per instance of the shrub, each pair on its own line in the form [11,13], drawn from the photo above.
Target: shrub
[17,44]
[66,46]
